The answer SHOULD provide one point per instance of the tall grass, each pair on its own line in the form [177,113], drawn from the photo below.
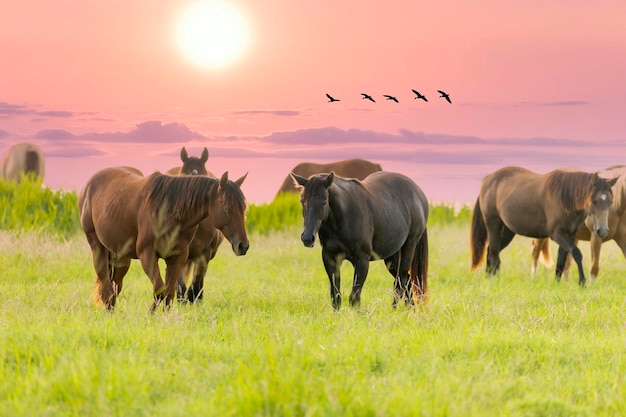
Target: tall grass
[30,206]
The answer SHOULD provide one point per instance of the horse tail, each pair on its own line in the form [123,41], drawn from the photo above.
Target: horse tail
[478,236]
[96,293]
[545,251]
[419,270]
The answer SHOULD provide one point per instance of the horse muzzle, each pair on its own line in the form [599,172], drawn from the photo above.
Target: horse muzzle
[240,248]
[602,232]
[308,239]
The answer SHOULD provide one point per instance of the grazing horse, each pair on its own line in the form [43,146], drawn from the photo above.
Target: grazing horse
[128,216]
[22,159]
[616,221]
[514,200]
[205,243]
[349,168]
[382,217]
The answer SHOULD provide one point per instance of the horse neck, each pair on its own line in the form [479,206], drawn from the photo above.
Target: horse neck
[344,196]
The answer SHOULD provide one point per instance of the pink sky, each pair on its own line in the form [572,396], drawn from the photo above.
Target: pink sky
[535,83]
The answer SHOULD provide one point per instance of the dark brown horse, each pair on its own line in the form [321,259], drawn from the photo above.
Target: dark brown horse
[127,216]
[192,165]
[22,159]
[205,243]
[349,168]
[382,217]
[616,221]
[514,201]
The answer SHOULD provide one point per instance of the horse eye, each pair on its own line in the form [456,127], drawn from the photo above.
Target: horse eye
[323,203]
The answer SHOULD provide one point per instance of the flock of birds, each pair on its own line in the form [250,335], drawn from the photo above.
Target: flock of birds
[418,95]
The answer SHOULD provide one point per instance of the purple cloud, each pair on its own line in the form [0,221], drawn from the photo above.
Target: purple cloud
[271,112]
[54,134]
[149,132]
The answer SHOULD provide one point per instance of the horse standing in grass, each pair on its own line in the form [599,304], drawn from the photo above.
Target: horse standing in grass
[22,159]
[514,200]
[348,168]
[205,243]
[616,221]
[128,216]
[382,217]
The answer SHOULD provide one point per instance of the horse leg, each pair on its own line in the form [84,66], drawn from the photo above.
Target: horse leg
[150,265]
[103,292]
[407,253]
[499,238]
[119,272]
[182,290]
[567,245]
[196,291]
[333,270]
[392,263]
[361,268]
[596,246]
[173,267]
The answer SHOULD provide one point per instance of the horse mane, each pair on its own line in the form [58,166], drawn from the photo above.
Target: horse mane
[573,189]
[178,195]
[619,197]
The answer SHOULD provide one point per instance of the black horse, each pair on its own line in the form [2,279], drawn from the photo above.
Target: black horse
[382,217]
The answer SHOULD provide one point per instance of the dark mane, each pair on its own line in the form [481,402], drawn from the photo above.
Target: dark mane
[573,189]
[178,194]
[233,197]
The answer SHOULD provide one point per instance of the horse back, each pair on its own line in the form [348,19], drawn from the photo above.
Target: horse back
[384,209]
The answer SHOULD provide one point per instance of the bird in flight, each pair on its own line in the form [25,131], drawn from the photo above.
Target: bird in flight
[418,95]
[331,98]
[388,97]
[445,95]
[367,96]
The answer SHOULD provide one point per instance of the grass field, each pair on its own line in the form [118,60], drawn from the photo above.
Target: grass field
[266,342]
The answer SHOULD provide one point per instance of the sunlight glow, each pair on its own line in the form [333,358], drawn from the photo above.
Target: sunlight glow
[212,33]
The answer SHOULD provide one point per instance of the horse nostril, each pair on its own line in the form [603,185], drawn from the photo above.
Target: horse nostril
[308,240]
[243,248]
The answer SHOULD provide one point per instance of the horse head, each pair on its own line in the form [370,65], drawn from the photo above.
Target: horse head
[314,201]
[599,204]
[228,213]
[193,165]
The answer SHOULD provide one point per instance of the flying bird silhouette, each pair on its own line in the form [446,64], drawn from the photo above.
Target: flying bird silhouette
[418,95]
[445,95]
[388,97]
[367,96]
[331,98]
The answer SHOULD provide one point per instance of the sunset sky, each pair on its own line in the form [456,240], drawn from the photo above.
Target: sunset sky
[539,84]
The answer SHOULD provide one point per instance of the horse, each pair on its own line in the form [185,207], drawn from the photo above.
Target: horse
[125,216]
[191,164]
[382,217]
[514,200]
[616,221]
[22,159]
[205,243]
[348,168]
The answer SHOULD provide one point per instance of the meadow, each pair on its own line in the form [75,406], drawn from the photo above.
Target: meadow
[266,342]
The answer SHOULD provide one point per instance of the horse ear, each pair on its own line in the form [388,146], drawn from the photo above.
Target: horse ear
[224,180]
[183,155]
[298,181]
[612,181]
[240,180]
[330,179]
[205,155]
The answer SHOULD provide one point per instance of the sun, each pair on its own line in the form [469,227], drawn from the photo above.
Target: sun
[212,33]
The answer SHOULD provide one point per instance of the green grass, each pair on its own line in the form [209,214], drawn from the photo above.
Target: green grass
[266,341]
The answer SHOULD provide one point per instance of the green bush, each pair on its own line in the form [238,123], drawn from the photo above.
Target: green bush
[30,206]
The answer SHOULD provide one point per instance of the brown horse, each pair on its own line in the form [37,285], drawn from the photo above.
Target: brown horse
[192,165]
[382,217]
[205,243]
[22,159]
[616,221]
[127,216]
[349,168]
[513,200]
